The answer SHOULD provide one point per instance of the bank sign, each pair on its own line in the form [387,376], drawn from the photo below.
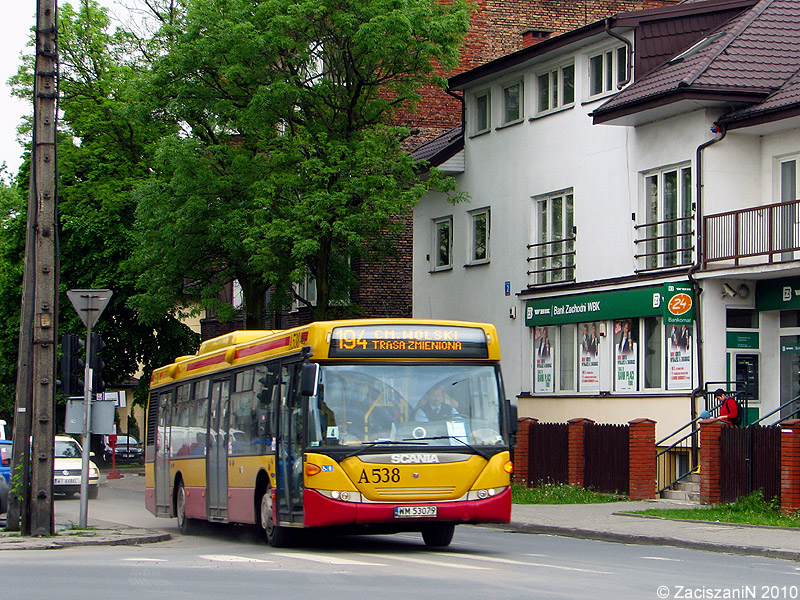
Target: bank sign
[674,301]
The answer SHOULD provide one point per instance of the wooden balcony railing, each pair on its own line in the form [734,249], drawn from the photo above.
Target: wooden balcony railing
[551,262]
[741,236]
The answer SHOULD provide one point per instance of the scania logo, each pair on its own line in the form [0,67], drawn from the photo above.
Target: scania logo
[404,459]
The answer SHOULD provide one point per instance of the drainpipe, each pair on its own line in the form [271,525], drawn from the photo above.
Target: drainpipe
[719,131]
[629,52]
[463,109]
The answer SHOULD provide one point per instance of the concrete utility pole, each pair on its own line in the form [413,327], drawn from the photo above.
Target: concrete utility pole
[31,509]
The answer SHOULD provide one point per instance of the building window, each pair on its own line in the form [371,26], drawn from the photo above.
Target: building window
[442,243]
[555,89]
[483,108]
[479,248]
[307,290]
[667,232]
[607,70]
[553,254]
[512,103]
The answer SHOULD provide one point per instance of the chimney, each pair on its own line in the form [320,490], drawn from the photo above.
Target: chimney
[531,37]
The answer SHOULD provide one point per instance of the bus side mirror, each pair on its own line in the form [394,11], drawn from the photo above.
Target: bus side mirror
[309,378]
[513,423]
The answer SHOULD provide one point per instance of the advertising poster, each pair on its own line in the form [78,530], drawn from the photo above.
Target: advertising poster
[626,356]
[543,361]
[679,357]
[590,357]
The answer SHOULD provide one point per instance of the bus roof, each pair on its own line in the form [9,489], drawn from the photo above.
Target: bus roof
[363,339]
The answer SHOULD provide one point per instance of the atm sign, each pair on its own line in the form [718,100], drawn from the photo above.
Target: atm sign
[680,304]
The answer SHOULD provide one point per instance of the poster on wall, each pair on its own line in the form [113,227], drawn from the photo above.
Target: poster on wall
[590,358]
[626,356]
[543,361]
[679,357]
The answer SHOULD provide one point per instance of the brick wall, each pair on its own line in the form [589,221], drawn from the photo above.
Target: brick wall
[642,459]
[790,465]
[710,434]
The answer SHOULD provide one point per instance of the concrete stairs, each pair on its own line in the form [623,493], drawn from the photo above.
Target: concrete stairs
[686,490]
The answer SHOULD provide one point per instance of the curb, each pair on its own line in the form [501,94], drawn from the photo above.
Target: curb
[646,540]
[94,537]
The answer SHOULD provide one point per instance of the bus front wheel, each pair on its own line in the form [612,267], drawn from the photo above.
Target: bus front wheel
[277,536]
[186,525]
[439,534]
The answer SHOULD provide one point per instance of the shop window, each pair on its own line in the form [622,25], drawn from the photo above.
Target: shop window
[652,353]
[566,356]
[589,362]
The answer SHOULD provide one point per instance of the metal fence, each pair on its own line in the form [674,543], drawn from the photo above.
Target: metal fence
[548,449]
[750,459]
[607,458]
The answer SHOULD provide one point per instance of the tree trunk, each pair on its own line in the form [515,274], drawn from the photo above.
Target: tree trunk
[255,302]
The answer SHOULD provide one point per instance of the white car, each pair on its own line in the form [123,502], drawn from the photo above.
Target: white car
[67,468]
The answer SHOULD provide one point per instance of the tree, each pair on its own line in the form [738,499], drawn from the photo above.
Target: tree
[289,162]
[103,152]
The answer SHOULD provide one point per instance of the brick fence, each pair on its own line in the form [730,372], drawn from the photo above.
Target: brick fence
[641,458]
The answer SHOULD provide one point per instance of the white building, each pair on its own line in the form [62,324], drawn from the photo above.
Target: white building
[596,211]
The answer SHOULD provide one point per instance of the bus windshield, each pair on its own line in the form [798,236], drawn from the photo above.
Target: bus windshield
[433,404]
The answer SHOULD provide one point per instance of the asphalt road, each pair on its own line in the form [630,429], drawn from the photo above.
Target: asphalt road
[482,563]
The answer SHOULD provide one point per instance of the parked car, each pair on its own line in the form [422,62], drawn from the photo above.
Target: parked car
[3,496]
[5,459]
[128,449]
[67,467]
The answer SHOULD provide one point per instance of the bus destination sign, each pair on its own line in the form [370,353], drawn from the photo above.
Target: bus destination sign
[408,341]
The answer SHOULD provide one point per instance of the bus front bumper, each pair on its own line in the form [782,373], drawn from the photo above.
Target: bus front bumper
[321,511]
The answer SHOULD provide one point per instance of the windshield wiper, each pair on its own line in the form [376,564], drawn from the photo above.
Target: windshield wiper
[458,439]
[388,442]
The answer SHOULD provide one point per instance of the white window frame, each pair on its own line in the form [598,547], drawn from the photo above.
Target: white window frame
[782,193]
[478,127]
[612,72]
[664,250]
[544,230]
[437,224]
[474,241]
[556,100]
[518,83]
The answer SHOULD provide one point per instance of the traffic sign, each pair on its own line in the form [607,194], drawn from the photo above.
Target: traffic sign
[89,304]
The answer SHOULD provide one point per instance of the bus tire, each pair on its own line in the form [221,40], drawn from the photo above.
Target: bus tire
[438,535]
[186,525]
[277,536]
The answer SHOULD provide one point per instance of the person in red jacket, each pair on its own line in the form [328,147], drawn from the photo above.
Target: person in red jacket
[729,410]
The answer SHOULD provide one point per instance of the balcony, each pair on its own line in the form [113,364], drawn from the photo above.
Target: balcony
[551,262]
[753,236]
[666,244]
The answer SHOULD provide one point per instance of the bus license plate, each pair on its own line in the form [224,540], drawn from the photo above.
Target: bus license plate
[404,512]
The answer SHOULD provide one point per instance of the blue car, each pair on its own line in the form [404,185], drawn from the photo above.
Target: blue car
[5,459]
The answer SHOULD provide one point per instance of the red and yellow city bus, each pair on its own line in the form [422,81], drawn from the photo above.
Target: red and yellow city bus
[368,425]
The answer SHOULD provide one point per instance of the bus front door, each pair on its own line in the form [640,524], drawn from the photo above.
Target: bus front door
[289,494]
[163,479]
[217,459]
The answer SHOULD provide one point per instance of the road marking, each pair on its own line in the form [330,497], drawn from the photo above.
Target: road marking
[422,561]
[328,560]
[228,558]
[145,559]
[523,563]
[661,558]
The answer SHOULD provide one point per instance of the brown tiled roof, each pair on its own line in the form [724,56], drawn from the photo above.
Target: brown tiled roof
[748,60]
[441,148]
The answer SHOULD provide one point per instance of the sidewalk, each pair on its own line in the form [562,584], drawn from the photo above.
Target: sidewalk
[609,522]
[605,522]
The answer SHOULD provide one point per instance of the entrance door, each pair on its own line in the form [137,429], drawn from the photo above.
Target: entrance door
[217,460]
[289,449]
[790,373]
[163,480]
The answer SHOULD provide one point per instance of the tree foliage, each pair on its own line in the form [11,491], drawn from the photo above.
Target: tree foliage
[289,161]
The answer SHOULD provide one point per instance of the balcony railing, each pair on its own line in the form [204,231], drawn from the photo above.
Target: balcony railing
[551,262]
[664,244]
[753,236]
